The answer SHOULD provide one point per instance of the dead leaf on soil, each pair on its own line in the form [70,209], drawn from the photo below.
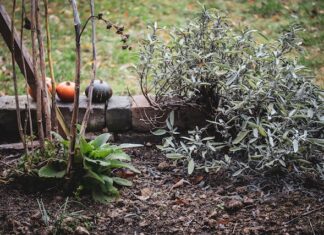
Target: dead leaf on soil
[124,173]
[145,194]
[233,205]
[196,179]
[179,184]
[181,201]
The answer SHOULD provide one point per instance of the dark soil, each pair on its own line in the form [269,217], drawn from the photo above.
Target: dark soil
[164,200]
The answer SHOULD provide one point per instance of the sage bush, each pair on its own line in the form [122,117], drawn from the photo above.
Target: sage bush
[264,112]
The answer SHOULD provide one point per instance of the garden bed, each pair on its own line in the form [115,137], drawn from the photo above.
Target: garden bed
[165,200]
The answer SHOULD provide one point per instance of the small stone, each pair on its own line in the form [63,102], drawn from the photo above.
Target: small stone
[68,220]
[163,166]
[225,216]
[248,201]
[246,230]
[220,190]
[58,198]
[233,205]
[213,214]
[144,223]
[241,189]
[146,192]
[36,216]
[81,231]
[148,144]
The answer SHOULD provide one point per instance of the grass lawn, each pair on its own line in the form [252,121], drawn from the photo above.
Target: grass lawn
[116,65]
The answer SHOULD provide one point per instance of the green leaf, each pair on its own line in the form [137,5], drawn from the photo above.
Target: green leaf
[295,145]
[303,161]
[60,139]
[282,162]
[53,170]
[234,149]
[85,147]
[191,166]
[259,127]
[93,175]
[100,196]
[262,35]
[238,172]
[119,156]
[97,161]
[108,180]
[319,142]
[174,156]
[124,146]
[100,140]
[240,136]
[119,164]
[57,136]
[101,153]
[159,132]
[122,182]
[171,118]
[262,131]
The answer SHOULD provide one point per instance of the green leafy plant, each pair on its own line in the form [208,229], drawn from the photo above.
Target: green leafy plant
[95,162]
[263,111]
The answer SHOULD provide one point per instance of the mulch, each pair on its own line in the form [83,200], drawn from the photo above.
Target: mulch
[165,200]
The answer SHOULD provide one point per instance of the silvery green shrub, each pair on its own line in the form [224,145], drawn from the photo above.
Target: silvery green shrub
[263,109]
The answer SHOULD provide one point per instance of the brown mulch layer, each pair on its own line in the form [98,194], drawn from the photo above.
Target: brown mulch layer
[164,200]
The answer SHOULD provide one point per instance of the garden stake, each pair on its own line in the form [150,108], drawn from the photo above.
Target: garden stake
[46,107]
[94,68]
[14,77]
[50,64]
[38,83]
[73,130]
[23,15]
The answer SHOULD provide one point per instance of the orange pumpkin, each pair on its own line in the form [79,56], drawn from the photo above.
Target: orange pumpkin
[65,91]
[33,94]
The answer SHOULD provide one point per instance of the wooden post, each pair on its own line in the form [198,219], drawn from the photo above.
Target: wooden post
[5,30]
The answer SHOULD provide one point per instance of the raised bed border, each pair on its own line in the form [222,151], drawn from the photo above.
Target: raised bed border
[123,115]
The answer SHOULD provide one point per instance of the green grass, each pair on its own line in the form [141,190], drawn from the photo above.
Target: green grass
[267,7]
[115,65]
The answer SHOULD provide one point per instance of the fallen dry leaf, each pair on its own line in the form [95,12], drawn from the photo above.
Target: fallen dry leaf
[179,184]
[146,192]
[181,201]
[196,179]
[124,173]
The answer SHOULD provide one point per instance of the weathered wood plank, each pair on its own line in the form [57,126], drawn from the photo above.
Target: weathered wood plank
[5,30]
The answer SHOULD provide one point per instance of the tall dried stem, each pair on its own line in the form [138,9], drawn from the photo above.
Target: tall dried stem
[75,113]
[38,82]
[14,77]
[94,69]
[50,64]
[46,107]
[23,14]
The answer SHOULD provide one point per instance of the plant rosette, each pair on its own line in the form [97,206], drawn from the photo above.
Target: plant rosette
[95,165]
